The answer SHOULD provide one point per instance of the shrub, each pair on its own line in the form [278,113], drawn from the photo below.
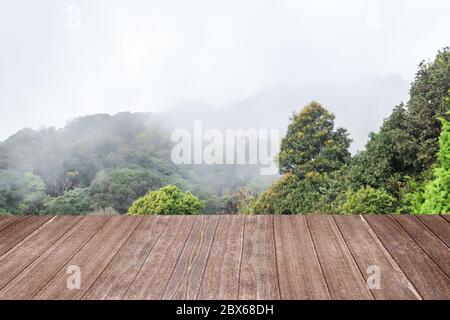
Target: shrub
[168,200]
[369,200]
[437,192]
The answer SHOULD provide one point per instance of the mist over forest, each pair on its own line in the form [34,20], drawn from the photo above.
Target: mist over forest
[92,93]
[104,163]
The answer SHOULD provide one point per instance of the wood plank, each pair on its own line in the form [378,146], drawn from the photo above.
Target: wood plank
[27,284]
[259,274]
[343,277]
[368,251]
[188,273]
[120,273]
[6,221]
[423,273]
[18,231]
[426,239]
[221,277]
[157,269]
[19,257]
[299,271]
[92,259]
[438,225]
[446,217]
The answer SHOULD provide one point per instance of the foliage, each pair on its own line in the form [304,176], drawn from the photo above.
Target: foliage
[316,193]
[116,159]
[72,202]
[21,193]
[369,200]
[119,188]
[428,93]
[437,192]
[168,200]
[105,163]
[388,158]
[311,143]
[246,201]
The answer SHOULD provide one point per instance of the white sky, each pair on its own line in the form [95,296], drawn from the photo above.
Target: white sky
[149,55]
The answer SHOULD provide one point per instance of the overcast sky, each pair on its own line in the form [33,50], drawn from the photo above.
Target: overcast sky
[62,59]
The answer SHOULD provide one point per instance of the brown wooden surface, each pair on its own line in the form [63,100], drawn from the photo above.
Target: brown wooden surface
[424,274]
[187,276]
[258,276]
[432,245]
[221,277]
[342,275]
[446,217]
[157,269]
[16,232]
[42,270]
[434,223]
[92,259]
[22,255]
[6,221]
[299,271]
[368,252]
[123,269]
[225,257]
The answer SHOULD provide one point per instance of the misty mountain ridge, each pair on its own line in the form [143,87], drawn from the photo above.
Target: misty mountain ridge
[367,101]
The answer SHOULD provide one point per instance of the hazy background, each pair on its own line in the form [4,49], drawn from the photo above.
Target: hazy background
[229,63]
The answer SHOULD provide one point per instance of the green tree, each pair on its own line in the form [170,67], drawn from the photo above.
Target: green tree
[21,193]
[245,201]
[72,202]
[312,144]
[168,200]
[369,200]
[315,193]
[119,188]
[428,93]
[388,158]
[437,192]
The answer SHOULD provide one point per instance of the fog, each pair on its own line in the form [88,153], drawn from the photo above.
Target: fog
[235,63]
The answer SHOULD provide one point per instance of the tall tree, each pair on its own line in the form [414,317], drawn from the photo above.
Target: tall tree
[427,104]
[312,144]
[437,191]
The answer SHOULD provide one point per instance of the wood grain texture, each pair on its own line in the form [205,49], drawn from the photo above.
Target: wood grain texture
[368,251]
[6,221]
[431,244]
[188,273]
[224,257]
[446,217]
[221,276]
[343,277]
[259,275]
[22,255]
[299,271]
[18,231]
[28,283]
[120,273]
[438,226]
[423,273]
[92,259]
[152,279]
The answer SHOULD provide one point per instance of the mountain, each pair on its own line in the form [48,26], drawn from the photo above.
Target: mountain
[359,107]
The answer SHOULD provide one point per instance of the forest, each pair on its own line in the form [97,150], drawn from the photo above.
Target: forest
[119,164]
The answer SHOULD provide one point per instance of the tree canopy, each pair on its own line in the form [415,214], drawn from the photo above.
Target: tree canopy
[168,200]
[312,144]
